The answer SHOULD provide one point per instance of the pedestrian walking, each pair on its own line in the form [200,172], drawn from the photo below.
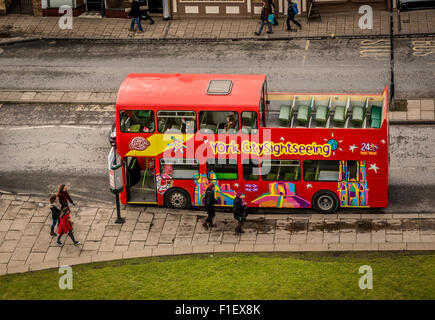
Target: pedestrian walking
[272,9]
[65,226]
[209,203]
[239,212]
[292,10]
[264,18]
[55,214]
[64,197]
[144,13]
[135,15]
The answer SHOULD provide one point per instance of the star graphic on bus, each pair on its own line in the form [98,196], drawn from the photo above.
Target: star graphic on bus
[334,143]
[282,139]
[309,185]
[383,141]
[353,147]
[236,185]
[374,167]
[177,144]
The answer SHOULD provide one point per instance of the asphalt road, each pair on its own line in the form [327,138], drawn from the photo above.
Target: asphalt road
[45,145]
[346,66]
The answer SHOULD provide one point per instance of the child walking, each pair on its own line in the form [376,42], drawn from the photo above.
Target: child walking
[55,214]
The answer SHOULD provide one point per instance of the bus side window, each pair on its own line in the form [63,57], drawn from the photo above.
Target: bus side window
[222,169]
[251,169]
[249,122]
[137,121]
[321,170]
[280,170]
[177,168]
[352,171]
[176,121]
[218,122]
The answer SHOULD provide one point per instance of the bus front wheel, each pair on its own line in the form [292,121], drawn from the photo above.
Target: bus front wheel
[325,201]
[177,199]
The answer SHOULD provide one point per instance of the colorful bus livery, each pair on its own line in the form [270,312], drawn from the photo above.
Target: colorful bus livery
[176,133]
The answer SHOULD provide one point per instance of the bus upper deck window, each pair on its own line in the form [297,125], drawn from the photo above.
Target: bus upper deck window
[249,122]
[176,121]
[219,122]
[137,121]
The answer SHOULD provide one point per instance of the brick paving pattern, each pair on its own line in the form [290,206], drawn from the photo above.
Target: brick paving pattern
[25,243]
[346,24]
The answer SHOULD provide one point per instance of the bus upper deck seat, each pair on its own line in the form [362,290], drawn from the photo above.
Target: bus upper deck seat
[322,114]
[340,114]
[376,117]
[285,112]
[358,114]
[304,113]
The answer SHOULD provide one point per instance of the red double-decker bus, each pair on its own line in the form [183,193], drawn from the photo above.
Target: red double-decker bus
[176,133]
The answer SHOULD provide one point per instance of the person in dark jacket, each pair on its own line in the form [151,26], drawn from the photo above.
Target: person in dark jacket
[65,226]
[239,211]
[55,214]
[272,9]
[63,196]
[209,203]
[135,15]
[145,13]
[291,16]
[264,18]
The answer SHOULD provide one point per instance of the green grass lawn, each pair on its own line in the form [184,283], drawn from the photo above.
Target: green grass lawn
[236,276]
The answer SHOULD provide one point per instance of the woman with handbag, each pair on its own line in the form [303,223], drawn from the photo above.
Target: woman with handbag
[65,226]
[266,17]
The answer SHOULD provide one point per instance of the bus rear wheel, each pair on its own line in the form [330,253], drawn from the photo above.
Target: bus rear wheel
[325,201]
[177,199]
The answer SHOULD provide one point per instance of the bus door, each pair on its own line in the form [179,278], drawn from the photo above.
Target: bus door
[141,180]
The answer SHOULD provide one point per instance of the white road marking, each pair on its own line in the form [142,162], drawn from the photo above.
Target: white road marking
[77,127]
[30,128]
[307,45]
[55,126]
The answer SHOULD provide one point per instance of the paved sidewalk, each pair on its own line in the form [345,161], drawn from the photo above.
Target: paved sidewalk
[417,110]
[20,26]
[25,244]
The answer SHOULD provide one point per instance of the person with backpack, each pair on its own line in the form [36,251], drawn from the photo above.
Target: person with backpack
[239,212]
[292,10]
[65,226]
[55,214]
[264,18]
[209,202]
